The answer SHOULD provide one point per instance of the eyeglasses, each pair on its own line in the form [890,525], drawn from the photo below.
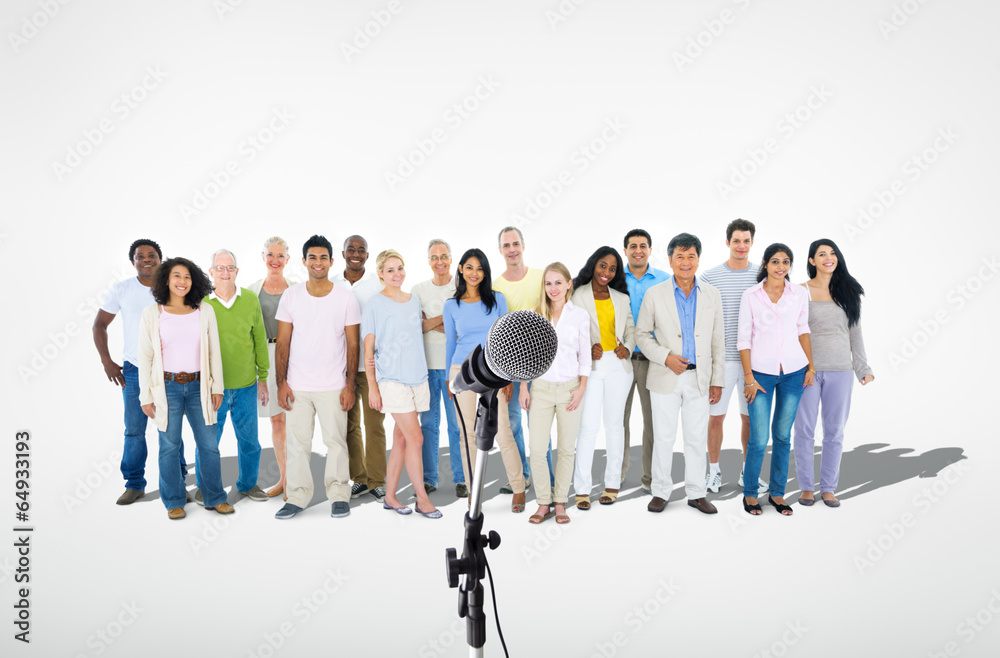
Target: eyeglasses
[435,259]
[225,268]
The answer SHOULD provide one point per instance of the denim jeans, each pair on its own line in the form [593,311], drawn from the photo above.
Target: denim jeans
[242,404]
[134,452]
[786,391]
[430,427]
[514,412]
[185,400]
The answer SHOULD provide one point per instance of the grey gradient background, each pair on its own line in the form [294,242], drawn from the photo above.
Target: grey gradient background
[738,584]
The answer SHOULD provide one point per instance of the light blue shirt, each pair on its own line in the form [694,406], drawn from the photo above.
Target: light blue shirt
[466,325]
[637,288]
[399,341]
[687,307]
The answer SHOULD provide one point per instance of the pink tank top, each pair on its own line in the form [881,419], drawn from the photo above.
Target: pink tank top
[180,341]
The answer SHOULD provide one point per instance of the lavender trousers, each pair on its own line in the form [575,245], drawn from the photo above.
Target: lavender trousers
[832,392]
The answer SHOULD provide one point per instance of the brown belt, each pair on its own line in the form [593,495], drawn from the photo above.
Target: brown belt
[181,377]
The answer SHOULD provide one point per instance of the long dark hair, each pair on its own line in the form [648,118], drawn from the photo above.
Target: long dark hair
[844,288]
[587,271]
[771,251]
[486,294]
[200,283]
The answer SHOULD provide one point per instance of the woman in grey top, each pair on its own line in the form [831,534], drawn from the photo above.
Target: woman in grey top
[839,356]
[269,291]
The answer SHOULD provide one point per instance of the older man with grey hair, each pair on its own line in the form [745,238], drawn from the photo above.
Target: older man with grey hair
[245,362]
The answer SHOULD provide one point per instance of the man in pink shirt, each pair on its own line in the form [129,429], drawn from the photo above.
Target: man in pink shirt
[318,330]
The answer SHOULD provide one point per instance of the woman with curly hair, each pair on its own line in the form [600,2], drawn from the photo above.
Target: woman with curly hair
[180,374]
[601,291]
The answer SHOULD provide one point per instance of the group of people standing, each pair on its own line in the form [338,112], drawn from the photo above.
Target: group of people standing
[350,349]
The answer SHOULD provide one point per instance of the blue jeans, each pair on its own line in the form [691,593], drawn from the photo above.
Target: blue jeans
[430,427]
[185,400]
[786,390]
[514,413]
[134,452]
[242,404]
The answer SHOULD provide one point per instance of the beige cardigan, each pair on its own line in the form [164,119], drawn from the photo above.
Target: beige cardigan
[624,327]
[153,389]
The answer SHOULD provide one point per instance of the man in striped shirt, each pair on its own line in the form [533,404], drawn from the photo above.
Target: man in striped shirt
[731,278]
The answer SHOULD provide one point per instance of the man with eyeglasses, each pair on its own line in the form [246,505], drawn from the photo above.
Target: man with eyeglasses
[245,362]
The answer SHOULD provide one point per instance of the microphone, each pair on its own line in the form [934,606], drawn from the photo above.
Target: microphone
[520,346]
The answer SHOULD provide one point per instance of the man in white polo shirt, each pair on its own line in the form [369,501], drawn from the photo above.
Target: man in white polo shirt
[130,297]
[318,330]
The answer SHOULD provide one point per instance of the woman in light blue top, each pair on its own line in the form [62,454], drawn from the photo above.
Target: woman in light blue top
[468,317]
[397,377]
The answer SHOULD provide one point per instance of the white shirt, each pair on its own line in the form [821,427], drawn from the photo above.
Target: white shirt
[232,300]
[432,299]
[130,298]
[366,287]
[573,355]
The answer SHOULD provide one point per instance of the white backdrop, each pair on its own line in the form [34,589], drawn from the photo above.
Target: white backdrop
[216,124]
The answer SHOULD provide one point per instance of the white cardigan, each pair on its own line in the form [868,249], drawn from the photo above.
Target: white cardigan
[153,389]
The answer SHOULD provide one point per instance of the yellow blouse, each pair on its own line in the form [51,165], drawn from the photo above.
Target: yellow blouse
[606,321]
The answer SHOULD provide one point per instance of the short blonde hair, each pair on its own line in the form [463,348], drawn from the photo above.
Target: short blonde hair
[274,239]
[544,307]
[384,256]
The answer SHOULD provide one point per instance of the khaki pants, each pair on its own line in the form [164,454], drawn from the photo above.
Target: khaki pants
[467,403]
[640,366]
[367,457]
[309,405]
[548,401]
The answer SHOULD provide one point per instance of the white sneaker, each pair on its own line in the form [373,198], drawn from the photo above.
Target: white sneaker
[761,485]
[713,482]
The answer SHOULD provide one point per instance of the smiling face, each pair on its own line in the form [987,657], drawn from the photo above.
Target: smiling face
[146,260]
[825,259]
[637,251]
[739,245]
[511,248]
[684,263]
[317,262]
[472,272]
[223,272]
[604,272]
[275,258]
[439,260]
[393,273]
[556,286]
[179,282]
[355,254]
[778,266]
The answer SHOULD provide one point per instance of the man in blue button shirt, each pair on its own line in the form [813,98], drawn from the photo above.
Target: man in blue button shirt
[681,331]
[640,276]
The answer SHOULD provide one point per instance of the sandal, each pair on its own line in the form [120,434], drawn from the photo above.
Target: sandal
[583,502]
[784,509]
[538,518]
[516,506]
[608,497]
[752,510]
[562,519]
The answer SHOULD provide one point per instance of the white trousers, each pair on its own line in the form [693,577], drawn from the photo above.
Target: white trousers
[687,404]
[607,389]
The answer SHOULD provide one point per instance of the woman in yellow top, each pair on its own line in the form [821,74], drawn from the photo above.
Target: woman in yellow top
[601,291]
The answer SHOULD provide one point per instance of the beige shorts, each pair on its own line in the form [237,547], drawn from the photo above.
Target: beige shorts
[400,399]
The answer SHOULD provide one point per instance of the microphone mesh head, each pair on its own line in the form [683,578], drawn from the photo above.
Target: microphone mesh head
[521,345]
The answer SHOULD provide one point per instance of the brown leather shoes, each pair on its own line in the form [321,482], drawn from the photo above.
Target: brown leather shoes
[657,504]
[175,513]
[222,508]
[702,505]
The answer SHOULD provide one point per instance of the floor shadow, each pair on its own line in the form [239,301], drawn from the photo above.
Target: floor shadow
[863,469]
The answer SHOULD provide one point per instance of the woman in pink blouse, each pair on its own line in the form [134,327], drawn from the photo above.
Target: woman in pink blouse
[559,391]
[773,340]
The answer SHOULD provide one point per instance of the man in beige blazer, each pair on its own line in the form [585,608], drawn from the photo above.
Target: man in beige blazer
[681,332]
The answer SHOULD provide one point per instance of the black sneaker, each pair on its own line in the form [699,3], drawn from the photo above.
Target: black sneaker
[378,493]
[358,489]
[287,511]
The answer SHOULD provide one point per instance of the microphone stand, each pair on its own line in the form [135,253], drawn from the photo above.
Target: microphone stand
[472,564]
